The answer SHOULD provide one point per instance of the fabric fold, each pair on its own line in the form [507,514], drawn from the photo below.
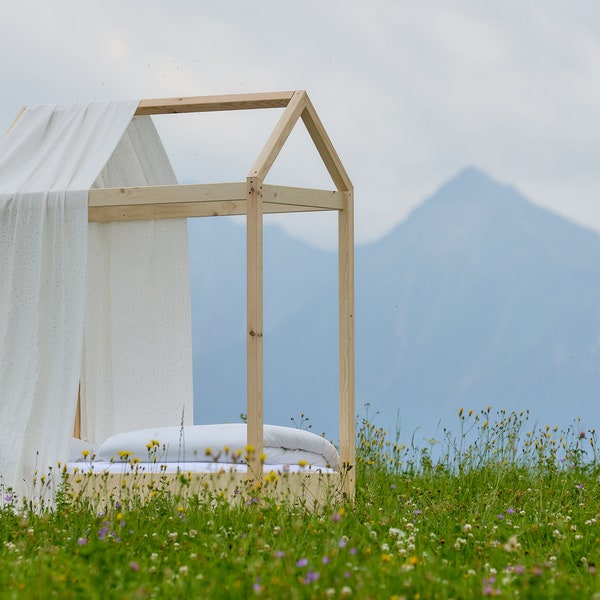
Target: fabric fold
[48,162]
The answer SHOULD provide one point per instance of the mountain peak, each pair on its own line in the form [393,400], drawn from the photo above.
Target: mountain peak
[473,183]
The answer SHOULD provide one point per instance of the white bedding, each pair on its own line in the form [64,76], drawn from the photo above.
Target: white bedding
[205,448]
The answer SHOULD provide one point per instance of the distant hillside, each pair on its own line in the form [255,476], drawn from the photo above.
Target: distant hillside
[478,298]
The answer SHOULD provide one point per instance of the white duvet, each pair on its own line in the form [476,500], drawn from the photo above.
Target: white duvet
[206,448]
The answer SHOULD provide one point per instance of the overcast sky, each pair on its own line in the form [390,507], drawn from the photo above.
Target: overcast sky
[411,92]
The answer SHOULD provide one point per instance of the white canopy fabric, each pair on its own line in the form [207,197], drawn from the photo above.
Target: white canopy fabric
[48,162]
[138,328]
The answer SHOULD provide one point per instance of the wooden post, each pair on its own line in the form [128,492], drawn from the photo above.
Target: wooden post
[254,348]
[77,423]
[346,342]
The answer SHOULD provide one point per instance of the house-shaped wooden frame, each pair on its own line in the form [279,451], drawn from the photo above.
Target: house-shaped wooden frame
[253,199]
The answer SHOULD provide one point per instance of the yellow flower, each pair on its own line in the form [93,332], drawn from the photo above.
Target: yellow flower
[301,463]
[124,454]
[85,453]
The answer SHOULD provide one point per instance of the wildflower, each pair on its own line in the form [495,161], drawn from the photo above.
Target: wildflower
[82,541]
[134,566]
[310,577]
[85,453]
[280,554]
[302,562]
[301,463]
[512,544]
[124,454]
[346,591]
[396,533]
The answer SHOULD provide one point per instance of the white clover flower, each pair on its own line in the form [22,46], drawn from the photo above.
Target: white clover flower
[396,533]
[512,544]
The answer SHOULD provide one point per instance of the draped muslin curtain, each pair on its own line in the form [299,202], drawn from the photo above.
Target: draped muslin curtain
[138,343]
[48,162]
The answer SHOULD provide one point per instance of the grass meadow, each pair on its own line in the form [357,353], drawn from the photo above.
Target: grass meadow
[499,509]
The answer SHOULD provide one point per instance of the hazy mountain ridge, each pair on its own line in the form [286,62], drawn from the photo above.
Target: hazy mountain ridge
[478,298]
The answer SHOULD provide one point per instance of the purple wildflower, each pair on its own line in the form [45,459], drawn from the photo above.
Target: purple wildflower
[134,566]
[302,562]
[82,541]
[310,577]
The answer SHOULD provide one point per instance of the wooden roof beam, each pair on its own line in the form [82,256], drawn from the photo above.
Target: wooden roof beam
[165,106]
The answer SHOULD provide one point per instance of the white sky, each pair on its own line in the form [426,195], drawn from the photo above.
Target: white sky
[410,92]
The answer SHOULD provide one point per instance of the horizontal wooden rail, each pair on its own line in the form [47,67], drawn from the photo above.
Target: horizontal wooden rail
[166,194]
[201,200]
[165,106]
[303,197]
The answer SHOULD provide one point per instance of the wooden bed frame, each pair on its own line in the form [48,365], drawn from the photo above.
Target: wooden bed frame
[253,198]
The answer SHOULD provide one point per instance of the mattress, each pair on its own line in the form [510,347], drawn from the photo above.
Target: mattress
[204,448]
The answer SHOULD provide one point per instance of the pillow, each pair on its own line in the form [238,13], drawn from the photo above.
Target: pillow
[78,447]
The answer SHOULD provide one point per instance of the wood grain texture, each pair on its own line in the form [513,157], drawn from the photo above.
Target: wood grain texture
[254,323]
[164,106]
